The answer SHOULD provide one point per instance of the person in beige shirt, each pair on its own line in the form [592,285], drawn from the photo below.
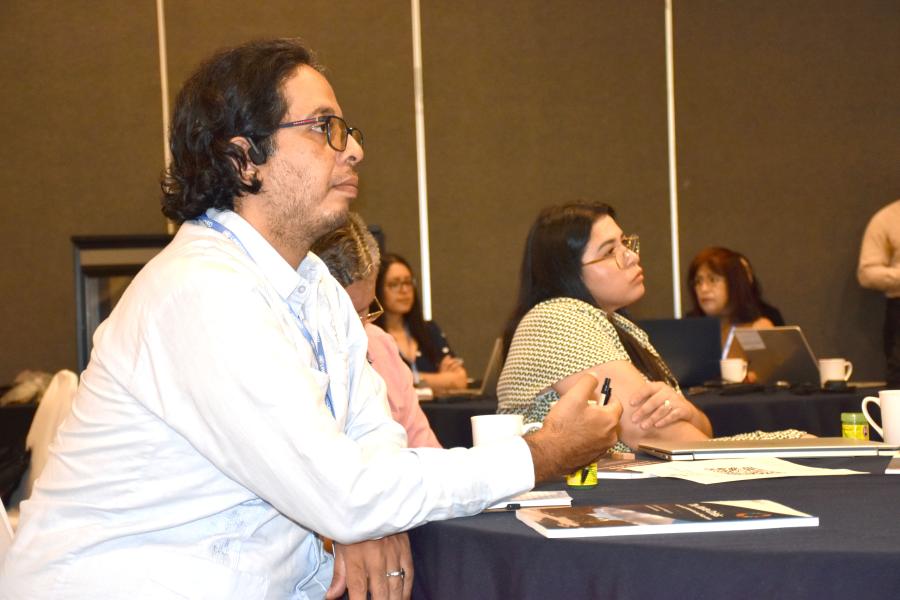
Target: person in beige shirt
[879,269]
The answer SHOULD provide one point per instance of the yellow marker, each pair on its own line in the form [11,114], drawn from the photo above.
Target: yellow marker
[585,477]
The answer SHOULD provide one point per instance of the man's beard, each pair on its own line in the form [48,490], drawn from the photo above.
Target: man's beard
[298,219]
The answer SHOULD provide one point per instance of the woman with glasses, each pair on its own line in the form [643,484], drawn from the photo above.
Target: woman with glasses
[351,255]
[422,343]
[723,285]
[578,270]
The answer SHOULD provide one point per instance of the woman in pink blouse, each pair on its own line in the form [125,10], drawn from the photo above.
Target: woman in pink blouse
[352,257]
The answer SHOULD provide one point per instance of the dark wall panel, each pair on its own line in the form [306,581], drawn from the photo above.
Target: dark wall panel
[366,48]
[788,141]
[787,123]
[82,149]
[528,105]
[83,130]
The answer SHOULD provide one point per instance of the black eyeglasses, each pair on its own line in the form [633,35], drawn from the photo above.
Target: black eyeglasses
[336,130]
[396,284]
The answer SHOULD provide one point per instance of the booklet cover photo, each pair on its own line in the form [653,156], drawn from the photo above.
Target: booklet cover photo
[642,519]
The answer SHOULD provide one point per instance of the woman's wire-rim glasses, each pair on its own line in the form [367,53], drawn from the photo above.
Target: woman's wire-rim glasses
[625,253]
[336,130]
[372,316]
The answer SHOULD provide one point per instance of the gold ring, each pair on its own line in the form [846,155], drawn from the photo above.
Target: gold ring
[667,404]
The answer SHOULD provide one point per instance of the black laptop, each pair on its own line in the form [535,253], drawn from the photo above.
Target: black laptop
[691,347]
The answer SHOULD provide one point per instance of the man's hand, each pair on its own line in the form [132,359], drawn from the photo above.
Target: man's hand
[365,567]
[574,432]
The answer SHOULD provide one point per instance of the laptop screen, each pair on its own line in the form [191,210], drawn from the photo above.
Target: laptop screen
[775,354]
[691,347]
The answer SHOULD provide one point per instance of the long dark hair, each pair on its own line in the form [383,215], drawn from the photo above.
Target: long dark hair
[551,268]
[413,320]
[745,303]
[236,93]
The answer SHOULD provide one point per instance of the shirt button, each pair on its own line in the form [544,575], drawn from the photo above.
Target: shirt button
[302,289]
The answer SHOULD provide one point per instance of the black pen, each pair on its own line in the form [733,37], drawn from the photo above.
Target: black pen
[606,391]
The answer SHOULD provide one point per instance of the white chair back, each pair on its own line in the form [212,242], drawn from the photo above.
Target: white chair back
[54,407]
[6,534]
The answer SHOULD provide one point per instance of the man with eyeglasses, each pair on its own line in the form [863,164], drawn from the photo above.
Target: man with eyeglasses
[228,416]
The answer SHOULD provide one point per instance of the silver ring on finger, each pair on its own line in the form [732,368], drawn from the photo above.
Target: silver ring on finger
[668,405]
[401,573]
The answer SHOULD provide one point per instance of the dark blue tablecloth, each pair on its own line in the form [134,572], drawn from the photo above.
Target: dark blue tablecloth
[854,552]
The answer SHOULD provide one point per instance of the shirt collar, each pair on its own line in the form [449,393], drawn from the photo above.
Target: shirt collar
[277,270]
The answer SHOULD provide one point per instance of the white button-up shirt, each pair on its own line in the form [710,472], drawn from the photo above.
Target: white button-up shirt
[200,459]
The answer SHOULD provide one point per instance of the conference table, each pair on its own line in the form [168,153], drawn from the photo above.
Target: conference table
[853,553]
[816,412]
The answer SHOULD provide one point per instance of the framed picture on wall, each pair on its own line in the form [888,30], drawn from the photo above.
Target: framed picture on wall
[104,266]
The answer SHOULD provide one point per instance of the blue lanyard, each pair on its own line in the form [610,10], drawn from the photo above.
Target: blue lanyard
[316,345]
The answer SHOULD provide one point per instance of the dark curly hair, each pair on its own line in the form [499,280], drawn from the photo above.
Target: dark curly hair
[236,93]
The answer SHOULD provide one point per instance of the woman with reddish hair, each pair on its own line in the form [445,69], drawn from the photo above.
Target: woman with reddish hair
[723,285]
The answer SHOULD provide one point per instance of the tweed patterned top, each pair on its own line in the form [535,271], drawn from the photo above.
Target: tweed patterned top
[555,339]
[563,336]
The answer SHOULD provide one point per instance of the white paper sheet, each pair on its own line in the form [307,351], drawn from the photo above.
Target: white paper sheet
[723,470]
[534,498]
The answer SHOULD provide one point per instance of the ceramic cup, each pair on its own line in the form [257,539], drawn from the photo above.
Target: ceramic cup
[734,370]
[490,428]
[834,369]
[889,401]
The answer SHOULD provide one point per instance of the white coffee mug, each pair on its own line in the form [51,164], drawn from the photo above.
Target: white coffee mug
[834,369]
[889,401]
[490,428]
[734,370]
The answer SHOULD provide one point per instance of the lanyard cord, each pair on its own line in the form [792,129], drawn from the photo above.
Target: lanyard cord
[318,349]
